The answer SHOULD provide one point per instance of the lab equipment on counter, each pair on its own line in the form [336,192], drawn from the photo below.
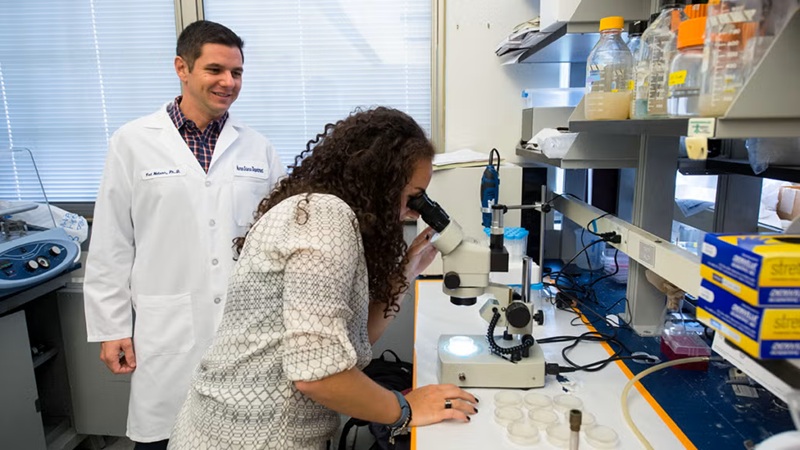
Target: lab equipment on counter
[29,254]
[484,361]
[653,62]
[685,77]
[29,257]
[609,74]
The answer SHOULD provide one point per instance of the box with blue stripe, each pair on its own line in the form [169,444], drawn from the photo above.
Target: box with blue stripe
[759,332]
[762,270]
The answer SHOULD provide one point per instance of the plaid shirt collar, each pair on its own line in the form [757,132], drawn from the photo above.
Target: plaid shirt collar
[180,120]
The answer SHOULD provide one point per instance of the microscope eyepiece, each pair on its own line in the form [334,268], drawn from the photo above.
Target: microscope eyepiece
[431,212]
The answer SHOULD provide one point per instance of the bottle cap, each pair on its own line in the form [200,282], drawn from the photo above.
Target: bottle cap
[691,32]
[636,28]
[612,22]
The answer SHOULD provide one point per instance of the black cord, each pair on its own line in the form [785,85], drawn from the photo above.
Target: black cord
[515,351]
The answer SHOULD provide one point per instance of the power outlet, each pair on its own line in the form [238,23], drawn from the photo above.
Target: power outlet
[619,230]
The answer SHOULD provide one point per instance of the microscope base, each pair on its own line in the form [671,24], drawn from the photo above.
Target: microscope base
[471,364]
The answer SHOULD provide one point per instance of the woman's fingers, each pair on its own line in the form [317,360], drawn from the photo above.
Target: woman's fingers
[435,403]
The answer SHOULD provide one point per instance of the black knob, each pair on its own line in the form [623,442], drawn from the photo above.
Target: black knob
[452,280]
[31,265]
[55,250]
[518,315]
[539,317]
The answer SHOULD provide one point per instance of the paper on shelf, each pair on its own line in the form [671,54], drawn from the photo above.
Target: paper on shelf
[460,158]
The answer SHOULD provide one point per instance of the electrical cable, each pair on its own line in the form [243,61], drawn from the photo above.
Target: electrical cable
[527,340]
[626,413]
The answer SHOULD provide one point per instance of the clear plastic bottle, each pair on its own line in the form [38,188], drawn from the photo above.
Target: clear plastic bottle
[652,64]
[635,30]
[609,74]
[731,25]
[685,76]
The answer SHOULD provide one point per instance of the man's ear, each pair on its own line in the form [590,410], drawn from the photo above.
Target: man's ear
[181,68]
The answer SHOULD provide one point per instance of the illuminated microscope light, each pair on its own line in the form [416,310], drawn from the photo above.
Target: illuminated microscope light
[462,346]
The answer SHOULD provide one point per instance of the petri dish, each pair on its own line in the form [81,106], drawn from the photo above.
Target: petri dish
[558,435]
[507,414]
[507,398]
[587,419]
[564,402]
[543,418]
[522,433]
[601,436]
[533,400]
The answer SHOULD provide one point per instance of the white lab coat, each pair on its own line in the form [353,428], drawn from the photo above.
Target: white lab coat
[161,245]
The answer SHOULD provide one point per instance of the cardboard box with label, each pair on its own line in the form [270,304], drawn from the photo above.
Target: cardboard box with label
[759,332]
[762,270]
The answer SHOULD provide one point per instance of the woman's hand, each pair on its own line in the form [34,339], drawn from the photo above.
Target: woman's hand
[420,255]
[437,402]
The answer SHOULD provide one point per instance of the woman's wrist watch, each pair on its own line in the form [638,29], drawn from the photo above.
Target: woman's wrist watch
[403,424]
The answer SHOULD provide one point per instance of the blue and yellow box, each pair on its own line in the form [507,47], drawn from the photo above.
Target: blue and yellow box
[762,270]
[759,332]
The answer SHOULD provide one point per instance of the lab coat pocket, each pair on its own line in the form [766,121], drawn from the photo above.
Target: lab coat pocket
[246,196]
[164,324]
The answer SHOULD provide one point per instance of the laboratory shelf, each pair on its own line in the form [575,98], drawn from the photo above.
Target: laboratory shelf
[581,155]
[531,156]
[559,46]
[765,107]
[662,127]
[720,166]
[724,128]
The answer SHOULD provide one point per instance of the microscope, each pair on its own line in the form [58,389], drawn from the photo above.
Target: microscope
[511,360]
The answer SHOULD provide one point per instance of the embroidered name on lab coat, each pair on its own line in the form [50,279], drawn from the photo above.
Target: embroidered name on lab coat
[161,173]
[254,169]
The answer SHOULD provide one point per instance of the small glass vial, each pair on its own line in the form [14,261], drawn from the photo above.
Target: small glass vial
[685,77]
[609,74]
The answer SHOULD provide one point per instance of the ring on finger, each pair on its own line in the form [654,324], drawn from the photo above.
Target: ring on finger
[448,404]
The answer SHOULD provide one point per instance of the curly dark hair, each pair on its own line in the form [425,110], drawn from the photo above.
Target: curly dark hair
[366,160]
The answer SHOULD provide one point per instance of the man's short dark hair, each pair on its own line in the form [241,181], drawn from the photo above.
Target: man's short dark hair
[197,34]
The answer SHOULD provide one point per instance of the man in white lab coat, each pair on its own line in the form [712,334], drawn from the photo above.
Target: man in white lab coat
[179,185]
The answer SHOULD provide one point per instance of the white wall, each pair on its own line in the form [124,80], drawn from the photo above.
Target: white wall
[483,108]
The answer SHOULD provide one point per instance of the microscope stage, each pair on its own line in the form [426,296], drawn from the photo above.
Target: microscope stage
[466,361]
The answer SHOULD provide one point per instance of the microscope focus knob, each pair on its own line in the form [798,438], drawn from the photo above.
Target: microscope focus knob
[518,315]
[452,280]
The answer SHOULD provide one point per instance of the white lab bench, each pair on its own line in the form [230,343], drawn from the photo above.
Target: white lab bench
[600,391]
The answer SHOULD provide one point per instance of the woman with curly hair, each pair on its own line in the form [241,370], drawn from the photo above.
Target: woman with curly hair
[319,277]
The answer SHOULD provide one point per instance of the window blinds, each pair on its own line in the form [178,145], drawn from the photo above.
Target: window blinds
[70,74]
[308,63]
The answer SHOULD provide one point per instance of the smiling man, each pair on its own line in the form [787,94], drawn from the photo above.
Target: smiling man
[178,186]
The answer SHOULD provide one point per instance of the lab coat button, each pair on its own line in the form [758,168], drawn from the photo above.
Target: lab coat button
[211,223]
[208,183]
[217,300]
[215,261]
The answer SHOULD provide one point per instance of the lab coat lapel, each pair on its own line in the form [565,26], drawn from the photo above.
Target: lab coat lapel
[226,139]
[170,138]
